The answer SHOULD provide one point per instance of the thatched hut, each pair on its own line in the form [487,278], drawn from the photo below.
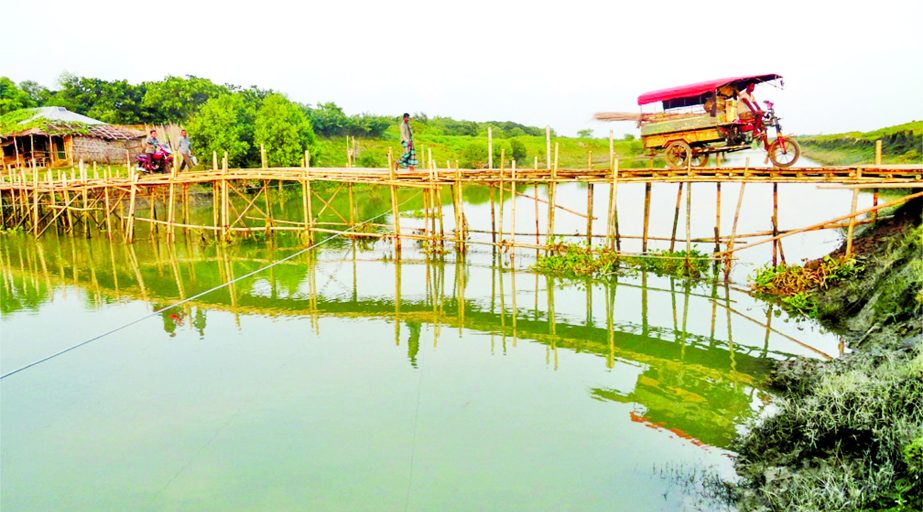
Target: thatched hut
[56,136]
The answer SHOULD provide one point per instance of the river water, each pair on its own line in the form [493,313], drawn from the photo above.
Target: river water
[343,379]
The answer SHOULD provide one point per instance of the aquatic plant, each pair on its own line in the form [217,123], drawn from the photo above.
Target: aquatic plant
[572,260]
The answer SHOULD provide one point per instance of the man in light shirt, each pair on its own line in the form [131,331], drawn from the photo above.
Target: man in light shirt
[409,158]
[747,106]
[185,151]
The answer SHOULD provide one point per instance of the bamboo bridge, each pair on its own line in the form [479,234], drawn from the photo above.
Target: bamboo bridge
[37,199]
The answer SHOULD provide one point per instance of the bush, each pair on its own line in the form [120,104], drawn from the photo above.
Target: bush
[474,156]
[284,130]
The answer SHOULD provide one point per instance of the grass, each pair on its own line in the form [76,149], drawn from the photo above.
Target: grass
[580,261]
[794,286]
[901,144]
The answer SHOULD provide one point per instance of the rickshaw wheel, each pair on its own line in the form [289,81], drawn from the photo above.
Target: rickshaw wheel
[699,160]
[677,153]
[784,157]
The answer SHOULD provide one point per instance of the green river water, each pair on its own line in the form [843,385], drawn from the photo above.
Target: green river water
[344,380]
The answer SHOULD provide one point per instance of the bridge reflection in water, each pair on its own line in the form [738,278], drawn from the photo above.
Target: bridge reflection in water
[692,377]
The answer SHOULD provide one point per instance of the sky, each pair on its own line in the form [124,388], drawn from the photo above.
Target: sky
[847,65]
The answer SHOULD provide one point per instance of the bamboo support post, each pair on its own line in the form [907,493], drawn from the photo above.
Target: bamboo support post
[852,222]
[717,217]
[395,211]
[679,198]
[502,192]
[513,214]
[490,148]
[130,230]
[552,192]
[647,215]
[548,147]
[263,162]
[35,198]
[730,243]
[688,224]
[876,191]
[775,223]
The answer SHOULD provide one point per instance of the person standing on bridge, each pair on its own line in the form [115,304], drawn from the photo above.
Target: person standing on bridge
[409,158]
[185,151]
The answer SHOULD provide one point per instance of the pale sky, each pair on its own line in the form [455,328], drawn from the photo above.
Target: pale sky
[847,65]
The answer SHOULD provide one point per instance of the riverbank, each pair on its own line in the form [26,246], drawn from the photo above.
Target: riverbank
[848,434]
[901,144]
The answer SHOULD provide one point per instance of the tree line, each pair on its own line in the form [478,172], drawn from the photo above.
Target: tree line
[228,117]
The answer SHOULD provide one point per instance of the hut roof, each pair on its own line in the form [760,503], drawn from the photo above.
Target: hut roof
[60,121]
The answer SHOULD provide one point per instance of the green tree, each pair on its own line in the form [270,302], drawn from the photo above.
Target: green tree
[284,129]
[224,123]
[518,150]
[112,102]
[586,133]
[12,97]
[175,99]
[39,93]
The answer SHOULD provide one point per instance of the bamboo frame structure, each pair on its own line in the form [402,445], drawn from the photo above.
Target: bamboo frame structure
[31,198]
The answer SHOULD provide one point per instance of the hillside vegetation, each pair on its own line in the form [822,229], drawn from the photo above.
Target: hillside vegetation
[901,144]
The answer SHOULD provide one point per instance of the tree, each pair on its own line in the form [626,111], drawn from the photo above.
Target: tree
[175,99]
[12,97]
[586,133]
[284,129]
[328,119]
[224,123]
[39,93]
[518,150]
[112,102]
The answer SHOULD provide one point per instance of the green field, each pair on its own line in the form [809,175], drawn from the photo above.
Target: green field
[901,144]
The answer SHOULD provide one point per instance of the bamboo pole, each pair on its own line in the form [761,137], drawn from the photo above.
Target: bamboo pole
[552,192]
[688,226]
[493,216]
[852,222]
[875,191]
[589,202]
[106,174]
[502,193]
[170,202]
[490,149]
[268,222]
[263,163]
[717,216]
[647,215]
[513,216]
[130,231]
[225,232]
[613,207]
[730,243]
[775,223]
[395,212]
[679,198]
[548,147]
[352,208]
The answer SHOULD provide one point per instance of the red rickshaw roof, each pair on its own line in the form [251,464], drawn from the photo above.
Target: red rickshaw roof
[685,91]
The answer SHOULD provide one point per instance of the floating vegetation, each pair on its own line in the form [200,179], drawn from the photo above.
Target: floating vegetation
[580,261]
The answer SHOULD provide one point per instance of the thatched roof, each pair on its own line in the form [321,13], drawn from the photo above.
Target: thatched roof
[60,121]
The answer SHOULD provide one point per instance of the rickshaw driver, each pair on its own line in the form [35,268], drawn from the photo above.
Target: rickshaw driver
[745,99]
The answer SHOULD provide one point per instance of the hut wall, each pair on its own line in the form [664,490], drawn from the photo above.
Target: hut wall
[93,149]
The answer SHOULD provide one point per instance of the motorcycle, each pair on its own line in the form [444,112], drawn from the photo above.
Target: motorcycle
[159,161]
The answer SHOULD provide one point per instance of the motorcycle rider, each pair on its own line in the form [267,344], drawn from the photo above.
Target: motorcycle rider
[151,144]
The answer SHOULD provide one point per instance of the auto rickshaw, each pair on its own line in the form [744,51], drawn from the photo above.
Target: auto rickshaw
[700,119]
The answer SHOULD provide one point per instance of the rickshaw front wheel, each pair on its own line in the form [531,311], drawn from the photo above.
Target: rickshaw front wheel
[784,155]
[677,153]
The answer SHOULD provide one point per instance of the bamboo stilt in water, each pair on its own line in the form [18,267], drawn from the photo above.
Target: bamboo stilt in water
[589,203]
[535,194]
[717,217]
[775,224]
[616,242]
[395,211]
[352,208]
[170,204]
[306,199]
[493,217]
[500,213]
[552,190]
[268,203]
[730,243]
[513,216]
[106,175]
[688,228]
[647,215]
[35,199]
[130,231]
[679,198]
[225,231]
[186,203]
